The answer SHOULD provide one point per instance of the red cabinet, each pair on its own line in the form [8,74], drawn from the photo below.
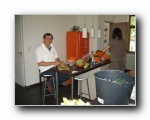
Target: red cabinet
[76,45]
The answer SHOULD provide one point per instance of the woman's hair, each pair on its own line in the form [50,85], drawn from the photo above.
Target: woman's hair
[117,33]
[47,34]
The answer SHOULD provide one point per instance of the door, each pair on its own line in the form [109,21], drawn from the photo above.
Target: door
[83,45]
[72,45]
[124,26]
[19,64]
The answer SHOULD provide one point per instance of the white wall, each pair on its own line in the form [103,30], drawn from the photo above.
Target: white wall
[34,26]
[121,18]
[130,62]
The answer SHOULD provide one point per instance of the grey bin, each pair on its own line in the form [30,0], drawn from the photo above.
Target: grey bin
[113,93]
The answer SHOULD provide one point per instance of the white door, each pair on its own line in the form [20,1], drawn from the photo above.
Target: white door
[19,56]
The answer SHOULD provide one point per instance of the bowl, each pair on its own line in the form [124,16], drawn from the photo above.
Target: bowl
[100,53]
[71,61]
[80,63]
[97,59]
[108,54]
[106,57]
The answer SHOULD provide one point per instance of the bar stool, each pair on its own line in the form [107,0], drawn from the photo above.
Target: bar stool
[80,78]
[44,88]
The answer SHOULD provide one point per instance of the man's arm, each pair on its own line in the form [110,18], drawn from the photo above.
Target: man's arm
[42,63]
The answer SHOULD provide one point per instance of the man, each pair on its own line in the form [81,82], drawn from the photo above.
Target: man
[47,58]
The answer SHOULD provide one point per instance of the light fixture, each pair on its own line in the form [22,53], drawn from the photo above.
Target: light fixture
[92,30]
[84,31]
[99,33]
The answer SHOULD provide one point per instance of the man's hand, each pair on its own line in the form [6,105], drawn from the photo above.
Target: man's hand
[63,63]
[57,62]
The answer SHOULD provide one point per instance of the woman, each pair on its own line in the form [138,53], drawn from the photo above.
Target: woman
[117,48]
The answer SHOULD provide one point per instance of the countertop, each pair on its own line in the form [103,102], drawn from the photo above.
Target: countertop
[80,70]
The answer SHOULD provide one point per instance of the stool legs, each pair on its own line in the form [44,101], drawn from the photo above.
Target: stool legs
[54,87]
[44,88]
[88,88]
[80,89]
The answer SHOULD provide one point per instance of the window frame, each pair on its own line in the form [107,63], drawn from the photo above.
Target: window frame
[130,27]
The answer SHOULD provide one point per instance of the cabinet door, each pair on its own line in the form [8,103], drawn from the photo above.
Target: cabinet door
[83,45]
[71,45]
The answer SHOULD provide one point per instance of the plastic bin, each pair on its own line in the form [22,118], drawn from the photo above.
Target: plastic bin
[113,93]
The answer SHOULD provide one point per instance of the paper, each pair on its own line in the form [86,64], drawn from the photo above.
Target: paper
[100,100]
[74,71]
[84,33]
[99,34]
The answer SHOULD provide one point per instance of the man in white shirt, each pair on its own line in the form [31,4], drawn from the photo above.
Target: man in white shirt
[47,58]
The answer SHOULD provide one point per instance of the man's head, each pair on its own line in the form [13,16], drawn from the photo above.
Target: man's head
[47,39]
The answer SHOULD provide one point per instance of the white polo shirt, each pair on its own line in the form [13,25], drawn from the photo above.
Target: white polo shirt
[43,54]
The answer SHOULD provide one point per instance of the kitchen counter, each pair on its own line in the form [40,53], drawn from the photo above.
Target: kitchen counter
[78,72]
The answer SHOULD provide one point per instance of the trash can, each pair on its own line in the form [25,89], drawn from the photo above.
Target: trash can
[113,87]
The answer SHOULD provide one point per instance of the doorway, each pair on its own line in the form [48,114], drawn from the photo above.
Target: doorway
[19,56]
[124,26]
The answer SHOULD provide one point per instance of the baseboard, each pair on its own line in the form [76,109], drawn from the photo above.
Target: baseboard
[18,81]
[31,86]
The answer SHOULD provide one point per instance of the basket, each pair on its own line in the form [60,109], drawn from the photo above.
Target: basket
[113,93]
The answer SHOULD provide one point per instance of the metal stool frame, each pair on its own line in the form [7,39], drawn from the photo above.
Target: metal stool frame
[44,78]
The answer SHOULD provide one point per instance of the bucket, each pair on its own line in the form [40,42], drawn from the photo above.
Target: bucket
[111,91]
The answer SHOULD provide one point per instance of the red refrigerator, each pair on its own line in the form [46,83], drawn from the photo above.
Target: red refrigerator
[76,45]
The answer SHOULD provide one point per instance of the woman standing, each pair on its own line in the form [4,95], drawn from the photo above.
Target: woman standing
[117,48]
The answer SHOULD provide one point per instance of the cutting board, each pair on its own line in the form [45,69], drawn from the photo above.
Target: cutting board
[63,67]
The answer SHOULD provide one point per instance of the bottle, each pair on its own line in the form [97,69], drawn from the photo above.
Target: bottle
[94,62]
[92,57]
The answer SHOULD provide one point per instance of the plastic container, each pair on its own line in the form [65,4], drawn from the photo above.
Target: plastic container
[113,93]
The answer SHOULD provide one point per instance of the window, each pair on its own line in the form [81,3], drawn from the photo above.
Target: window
[132,33]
